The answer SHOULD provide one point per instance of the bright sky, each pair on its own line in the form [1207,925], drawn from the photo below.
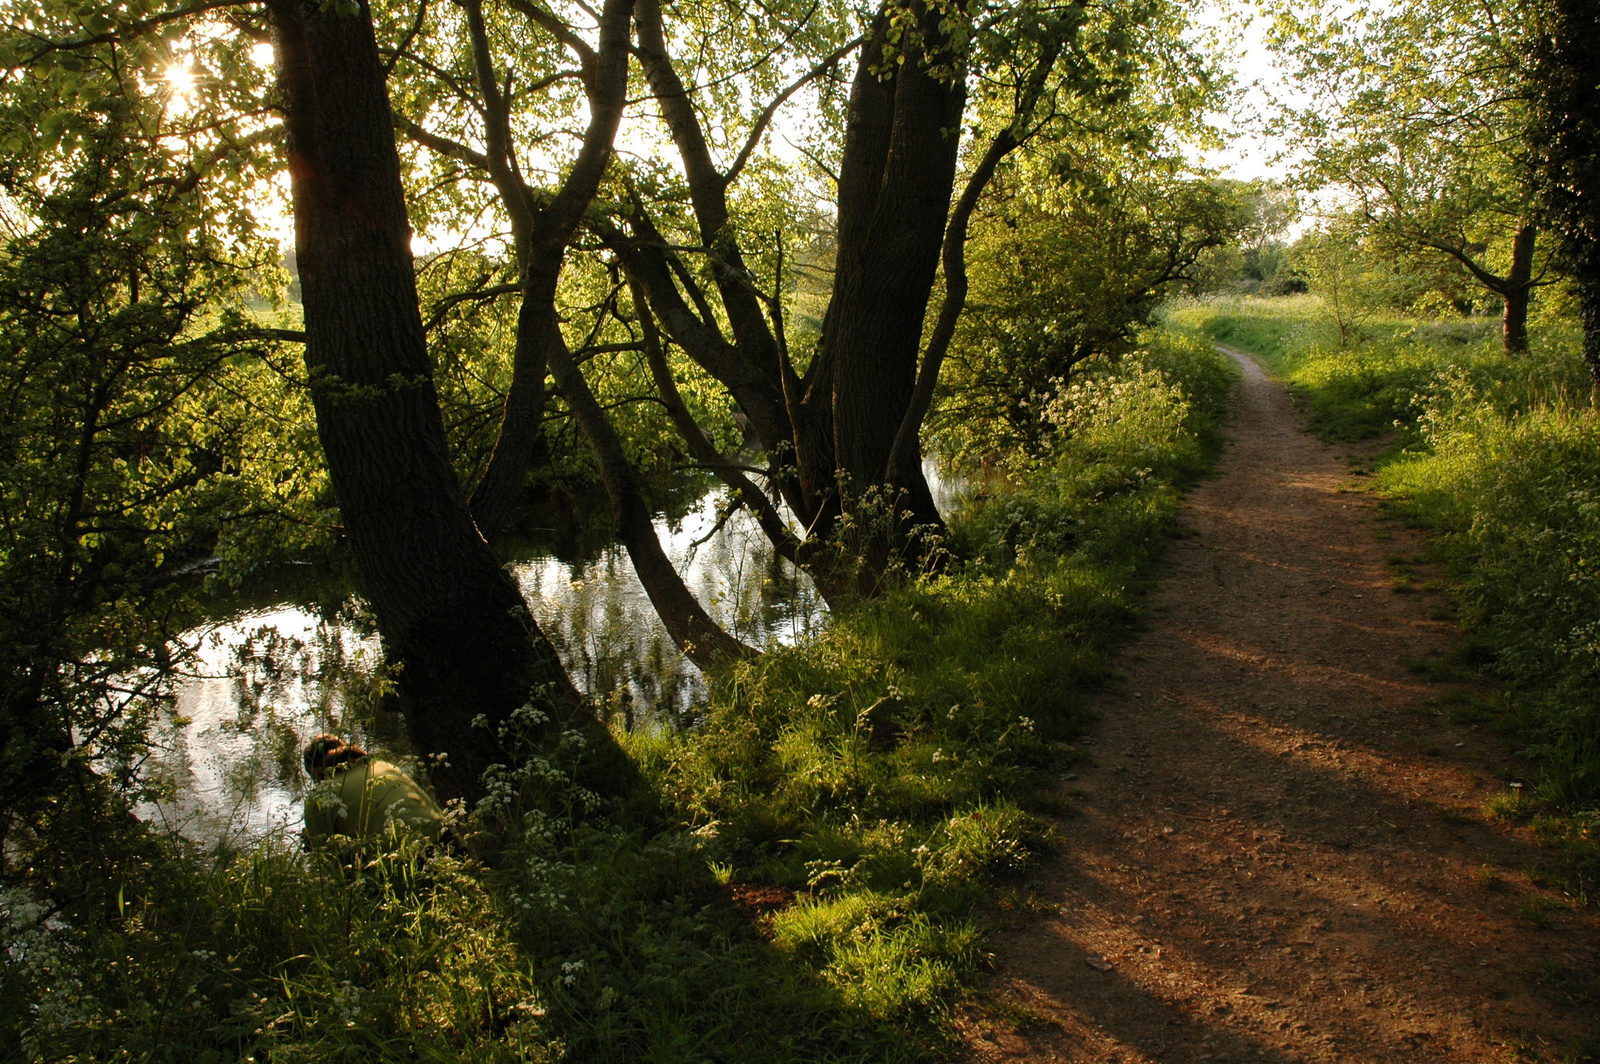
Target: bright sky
[1250,154]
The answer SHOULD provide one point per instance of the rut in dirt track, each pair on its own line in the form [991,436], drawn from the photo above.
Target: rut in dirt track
[1278,855]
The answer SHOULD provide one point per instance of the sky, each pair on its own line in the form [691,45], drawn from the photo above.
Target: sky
[1250,155]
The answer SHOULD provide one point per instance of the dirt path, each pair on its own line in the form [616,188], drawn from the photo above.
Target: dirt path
[1278,856]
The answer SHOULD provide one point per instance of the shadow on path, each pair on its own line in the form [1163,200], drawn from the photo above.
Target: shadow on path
[1279,856]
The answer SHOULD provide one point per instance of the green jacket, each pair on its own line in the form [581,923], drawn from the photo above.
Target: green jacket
[362,798]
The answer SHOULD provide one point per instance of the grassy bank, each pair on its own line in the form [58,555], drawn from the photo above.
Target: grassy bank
[807,879]
[1500,456]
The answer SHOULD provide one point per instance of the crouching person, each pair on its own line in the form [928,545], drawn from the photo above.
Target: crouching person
[368,801]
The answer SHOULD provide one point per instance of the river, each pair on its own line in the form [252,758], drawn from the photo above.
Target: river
[227,756]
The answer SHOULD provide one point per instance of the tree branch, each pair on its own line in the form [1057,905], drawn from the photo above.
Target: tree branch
[563,33]
[698,440]
[440,144]
[133,29]
[771,109]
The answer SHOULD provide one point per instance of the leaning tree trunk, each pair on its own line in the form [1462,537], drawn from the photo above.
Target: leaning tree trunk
[691,628]
[449,614]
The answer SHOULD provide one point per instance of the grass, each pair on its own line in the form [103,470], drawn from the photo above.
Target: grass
[1499,457]
[878,785]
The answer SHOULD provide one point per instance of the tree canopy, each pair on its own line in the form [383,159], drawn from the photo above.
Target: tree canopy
[1416,112]
[625,258]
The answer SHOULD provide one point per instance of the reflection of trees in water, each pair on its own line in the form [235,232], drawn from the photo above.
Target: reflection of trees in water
[289,688]
[227,761]
[616,650]
[267,680]
[615,647]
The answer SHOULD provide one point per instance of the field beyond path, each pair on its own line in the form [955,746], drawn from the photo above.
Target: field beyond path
[1279,853]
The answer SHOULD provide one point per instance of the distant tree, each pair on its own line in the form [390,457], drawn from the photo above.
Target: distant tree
[1414,110]
[1257,262]
[1564,87]
[1354,274]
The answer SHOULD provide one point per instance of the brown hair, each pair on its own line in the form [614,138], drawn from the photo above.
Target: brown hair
[326,751]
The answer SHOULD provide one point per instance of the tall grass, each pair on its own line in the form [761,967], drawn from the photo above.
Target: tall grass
[805,877]
[1500,455]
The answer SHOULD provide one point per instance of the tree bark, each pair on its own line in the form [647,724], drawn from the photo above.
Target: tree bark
[449,614]
[1519,290]
[895,185]
[905,456]
[1589,316]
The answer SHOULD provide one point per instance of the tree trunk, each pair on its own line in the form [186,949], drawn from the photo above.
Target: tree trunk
[1518,290]
[542,239]
[895,184]
[449,614]
[849,428]
[691,628]
[1589,315]
[1563,87]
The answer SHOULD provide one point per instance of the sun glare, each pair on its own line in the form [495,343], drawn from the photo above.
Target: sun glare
[180,79]
[262,55]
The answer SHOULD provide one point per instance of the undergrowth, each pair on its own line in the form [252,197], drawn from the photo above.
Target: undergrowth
[1500,456]
[805,877]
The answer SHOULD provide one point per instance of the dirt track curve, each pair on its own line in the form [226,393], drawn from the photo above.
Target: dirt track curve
[1278,854]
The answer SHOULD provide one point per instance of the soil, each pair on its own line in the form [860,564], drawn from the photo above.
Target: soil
[1280,850]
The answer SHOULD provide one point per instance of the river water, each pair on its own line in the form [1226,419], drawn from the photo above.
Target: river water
[227,757]
[264,682]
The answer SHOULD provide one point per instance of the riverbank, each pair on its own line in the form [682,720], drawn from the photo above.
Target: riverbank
[807,875]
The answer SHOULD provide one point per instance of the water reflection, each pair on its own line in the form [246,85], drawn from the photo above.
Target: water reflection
[227,763]
[615,646]
[268,680]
